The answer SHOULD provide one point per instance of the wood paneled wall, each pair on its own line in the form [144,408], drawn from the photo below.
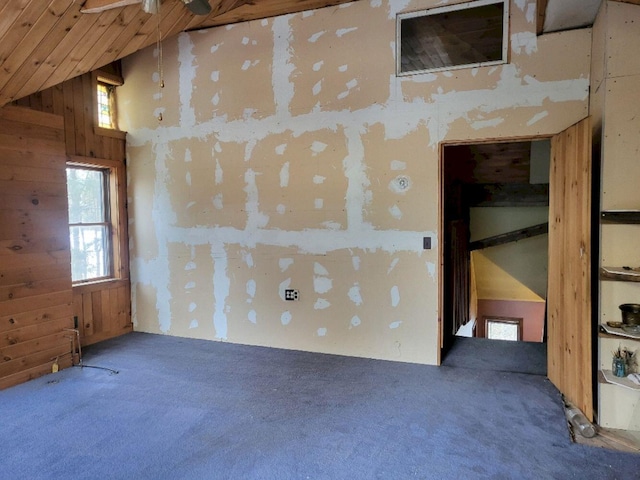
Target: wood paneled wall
[74,100]
[35,273]
[103,309]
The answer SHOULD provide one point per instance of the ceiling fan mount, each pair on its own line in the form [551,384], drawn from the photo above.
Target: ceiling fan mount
[197,7]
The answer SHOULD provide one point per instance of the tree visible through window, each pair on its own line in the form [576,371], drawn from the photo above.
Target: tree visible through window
[89,223]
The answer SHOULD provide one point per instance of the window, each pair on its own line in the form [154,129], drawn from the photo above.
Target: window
[500,328]
[457,36]
[105,105]
[105,84]
[89,223]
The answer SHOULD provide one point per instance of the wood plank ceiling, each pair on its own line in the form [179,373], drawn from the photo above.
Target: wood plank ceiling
[45,42]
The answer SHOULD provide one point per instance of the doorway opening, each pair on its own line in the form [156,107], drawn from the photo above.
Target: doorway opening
[495,213]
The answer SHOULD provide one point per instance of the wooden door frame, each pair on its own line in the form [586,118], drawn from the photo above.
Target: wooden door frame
[441,196]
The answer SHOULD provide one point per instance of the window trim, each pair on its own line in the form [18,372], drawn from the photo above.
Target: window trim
[115,192]
[105,78]
[519,322]
[452,8]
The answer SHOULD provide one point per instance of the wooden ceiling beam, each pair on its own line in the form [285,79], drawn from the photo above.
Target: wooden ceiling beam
[510,237]
[541,8]
[507,195]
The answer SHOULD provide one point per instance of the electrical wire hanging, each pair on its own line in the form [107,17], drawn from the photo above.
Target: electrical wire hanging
[159,50]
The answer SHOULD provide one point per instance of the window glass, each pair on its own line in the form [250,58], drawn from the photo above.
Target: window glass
[502,329]
[89,227]
[105,115]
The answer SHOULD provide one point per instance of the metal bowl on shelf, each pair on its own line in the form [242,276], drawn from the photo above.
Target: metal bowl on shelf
[630,314]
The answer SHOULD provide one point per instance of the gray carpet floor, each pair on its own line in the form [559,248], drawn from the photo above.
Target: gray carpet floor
[192,409]
[497,355]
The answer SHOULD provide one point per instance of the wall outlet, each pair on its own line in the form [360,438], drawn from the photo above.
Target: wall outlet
[291,294]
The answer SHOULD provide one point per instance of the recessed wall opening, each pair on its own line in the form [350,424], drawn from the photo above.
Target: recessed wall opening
[457,36]
[495,214]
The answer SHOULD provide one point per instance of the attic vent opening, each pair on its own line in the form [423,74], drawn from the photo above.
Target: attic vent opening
[458,36]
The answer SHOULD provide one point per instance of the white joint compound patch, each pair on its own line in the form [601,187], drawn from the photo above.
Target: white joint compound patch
[282,287]
[354,294]
[217,201]
[221,286]
[187,72]
[395,212]
[318,147]
[251,288]
[343,31]
[395,296]
[284,175]
[393,264]
[314,38]
[322,284]
[537,117]
[321,304]
[318,269]
[285,318]
[524,41]
[285,263]
[398,165]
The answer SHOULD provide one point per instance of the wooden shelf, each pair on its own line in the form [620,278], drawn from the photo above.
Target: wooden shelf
[607,376]
[619,274]
[628,217]
[610,332]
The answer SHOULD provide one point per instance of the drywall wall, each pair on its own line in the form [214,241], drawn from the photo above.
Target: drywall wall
[290,155]
[513,271]
[614,106]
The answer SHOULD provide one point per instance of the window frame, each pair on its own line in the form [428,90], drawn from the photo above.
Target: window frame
[114,81]
[452,8]
[115,213]
[519,322]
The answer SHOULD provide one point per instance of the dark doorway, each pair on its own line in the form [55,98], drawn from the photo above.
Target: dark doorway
[495,223]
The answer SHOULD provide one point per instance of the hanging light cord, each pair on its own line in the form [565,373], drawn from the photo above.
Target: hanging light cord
[160,65]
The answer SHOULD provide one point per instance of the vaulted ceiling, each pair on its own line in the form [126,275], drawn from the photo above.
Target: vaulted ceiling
[45,42]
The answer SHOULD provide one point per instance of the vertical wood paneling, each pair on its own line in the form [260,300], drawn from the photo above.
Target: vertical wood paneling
[35,274]
[569,298]
[103,309]
[87,315]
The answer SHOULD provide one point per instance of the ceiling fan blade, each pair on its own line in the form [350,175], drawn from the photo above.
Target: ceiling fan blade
[198,7]
[99,6]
